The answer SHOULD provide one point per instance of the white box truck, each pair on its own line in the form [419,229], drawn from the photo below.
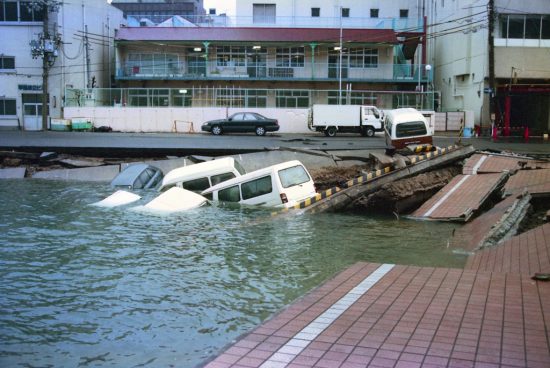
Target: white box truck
[331,119]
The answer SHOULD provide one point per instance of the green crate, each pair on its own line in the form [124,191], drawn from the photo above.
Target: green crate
[81,124]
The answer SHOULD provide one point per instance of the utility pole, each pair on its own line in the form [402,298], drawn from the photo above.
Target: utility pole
[491,41]
[46,48]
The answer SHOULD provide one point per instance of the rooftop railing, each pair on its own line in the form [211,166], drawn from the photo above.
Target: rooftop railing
[170,20]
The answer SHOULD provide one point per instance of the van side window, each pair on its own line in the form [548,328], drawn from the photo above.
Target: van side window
[410,129]
[230,194]
[216,179]
[293,176]
[196,185]
[258,187]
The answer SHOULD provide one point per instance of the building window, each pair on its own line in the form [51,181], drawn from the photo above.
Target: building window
[137,97]
[212,11]
[256,98]
[230,97]
[152,64]
[230,56]
[20,11]
[315,12]
[263,13]
[7,63]
[160,97]
[525,26]
[403,13]
[345,12]
[292,98]
[352,98]
[290,57]
[7,107]
[363,58]
[374,13]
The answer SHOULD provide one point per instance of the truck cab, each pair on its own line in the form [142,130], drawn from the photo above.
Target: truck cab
[371,120]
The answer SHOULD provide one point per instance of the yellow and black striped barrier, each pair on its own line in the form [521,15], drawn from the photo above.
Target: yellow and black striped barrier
[422,148]
[360,180]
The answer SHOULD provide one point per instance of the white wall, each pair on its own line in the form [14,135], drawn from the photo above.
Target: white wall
[131,119]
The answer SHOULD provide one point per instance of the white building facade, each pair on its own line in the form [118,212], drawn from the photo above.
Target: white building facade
[78,45]
[459,50]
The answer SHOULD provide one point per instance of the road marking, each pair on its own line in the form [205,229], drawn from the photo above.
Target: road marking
[282,357]
[440,202]
[478,164]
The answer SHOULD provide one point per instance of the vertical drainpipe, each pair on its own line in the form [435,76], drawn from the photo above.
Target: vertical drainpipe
[313,45]
[206,44]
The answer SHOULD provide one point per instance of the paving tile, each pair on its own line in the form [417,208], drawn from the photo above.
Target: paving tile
[458,200]
[411,316]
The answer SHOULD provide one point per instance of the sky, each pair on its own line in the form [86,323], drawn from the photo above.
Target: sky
[221,6]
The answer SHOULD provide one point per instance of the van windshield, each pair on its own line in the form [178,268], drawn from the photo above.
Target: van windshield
[409,129]
[293,176]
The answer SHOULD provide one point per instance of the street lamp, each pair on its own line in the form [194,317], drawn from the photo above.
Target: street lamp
[427,67]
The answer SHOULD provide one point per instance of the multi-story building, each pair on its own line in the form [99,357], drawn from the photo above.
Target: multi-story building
[151,12]
[76,44]
[459,49]
[280,54]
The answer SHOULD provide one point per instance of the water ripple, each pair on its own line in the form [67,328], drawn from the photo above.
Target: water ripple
[88,286]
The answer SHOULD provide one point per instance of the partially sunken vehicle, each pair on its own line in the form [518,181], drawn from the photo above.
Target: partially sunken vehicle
[281,185]
[138,176]
[201,176]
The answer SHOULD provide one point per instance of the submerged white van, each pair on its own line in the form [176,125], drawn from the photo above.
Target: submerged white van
[201,176]
[404,127]
[281,185]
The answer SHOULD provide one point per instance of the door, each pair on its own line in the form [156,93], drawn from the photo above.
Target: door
[236,123]
[256,66]
[32,111]
[32,116]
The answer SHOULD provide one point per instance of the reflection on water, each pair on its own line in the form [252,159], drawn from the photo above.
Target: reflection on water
[88,286]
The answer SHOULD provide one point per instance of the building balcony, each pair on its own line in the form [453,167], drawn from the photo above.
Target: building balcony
[306,71]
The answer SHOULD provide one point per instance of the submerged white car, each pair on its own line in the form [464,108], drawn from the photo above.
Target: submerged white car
[281,185]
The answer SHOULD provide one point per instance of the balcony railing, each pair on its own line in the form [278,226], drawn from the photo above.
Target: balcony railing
[210,70]
[152,20]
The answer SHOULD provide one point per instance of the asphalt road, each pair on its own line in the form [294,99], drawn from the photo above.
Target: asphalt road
[114,143]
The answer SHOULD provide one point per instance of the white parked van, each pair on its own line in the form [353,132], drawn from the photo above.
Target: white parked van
[404,127]
[281,185]
[201,176]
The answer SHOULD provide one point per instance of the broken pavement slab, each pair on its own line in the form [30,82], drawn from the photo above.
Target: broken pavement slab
[461,198]
[13,173]
[98,174]
[485,163]
[536,182]
[490,228]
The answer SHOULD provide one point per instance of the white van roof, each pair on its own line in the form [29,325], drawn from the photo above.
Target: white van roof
[405,114]
[251,175]
[196,171]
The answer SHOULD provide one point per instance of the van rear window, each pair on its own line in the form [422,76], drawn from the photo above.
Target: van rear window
[216,179]
[293,176]
[410,129]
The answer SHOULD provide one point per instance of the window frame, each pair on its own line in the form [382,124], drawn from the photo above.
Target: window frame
[4,108]
[290,57]
[3,59]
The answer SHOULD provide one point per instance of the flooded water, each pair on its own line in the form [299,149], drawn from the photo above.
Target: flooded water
[87,286]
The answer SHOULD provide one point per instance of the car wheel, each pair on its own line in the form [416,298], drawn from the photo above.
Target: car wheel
[369,131]
[260,131]
[331,131]
[216,130]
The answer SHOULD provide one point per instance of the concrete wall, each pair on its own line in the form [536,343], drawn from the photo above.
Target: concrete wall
[130,119]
